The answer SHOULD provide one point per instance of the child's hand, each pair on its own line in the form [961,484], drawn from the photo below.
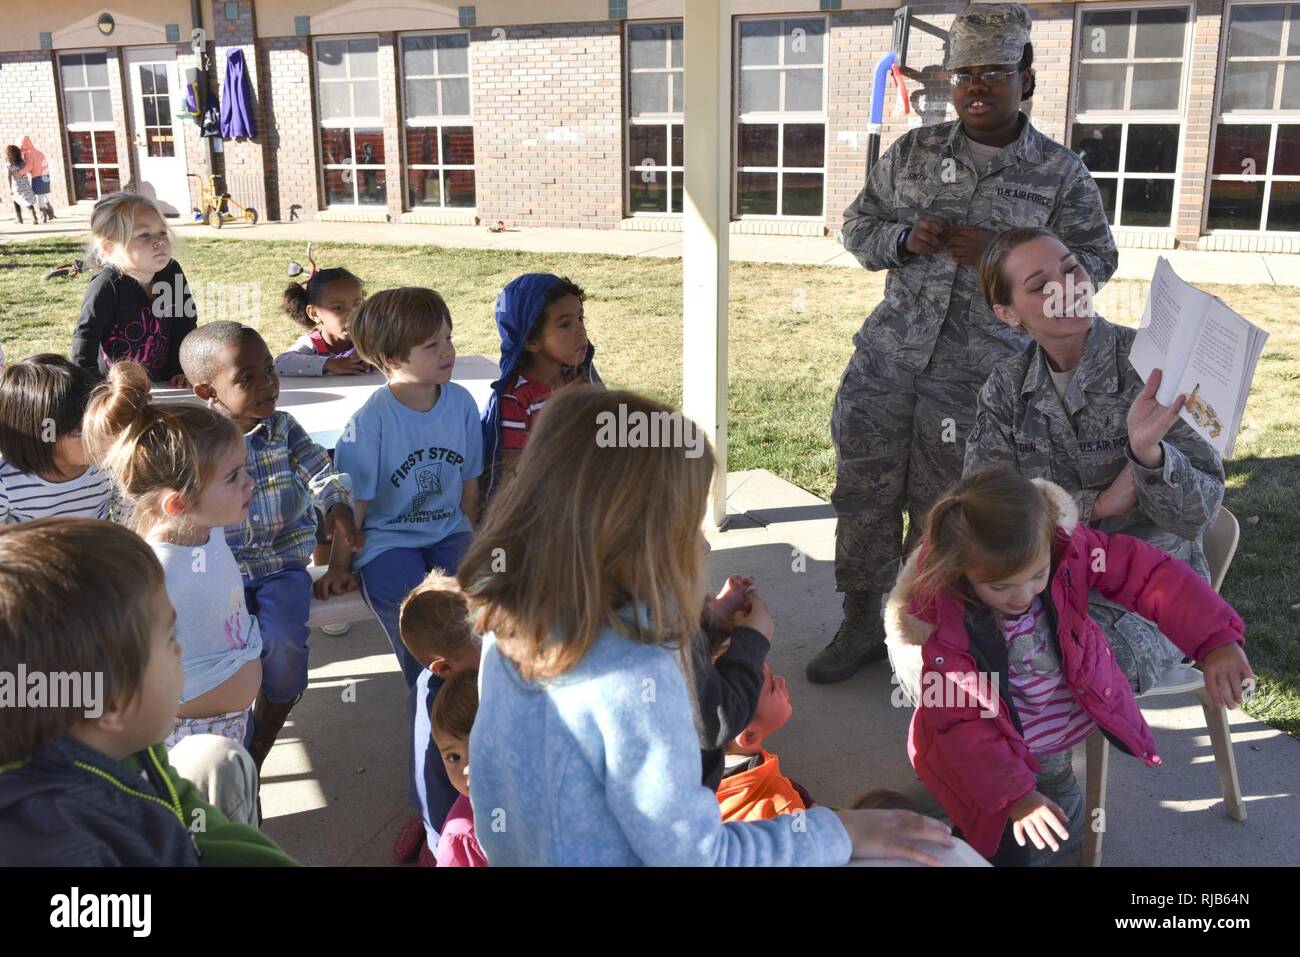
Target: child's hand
[1036,817]
[179,381]
[896,834]
[347,365]
[1224,670]
[340,521]
[756,616]
[336,581]
[733,597]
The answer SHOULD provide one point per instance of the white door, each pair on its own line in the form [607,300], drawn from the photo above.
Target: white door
[157,137]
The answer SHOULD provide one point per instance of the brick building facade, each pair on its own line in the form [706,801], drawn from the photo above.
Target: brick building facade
[567,113]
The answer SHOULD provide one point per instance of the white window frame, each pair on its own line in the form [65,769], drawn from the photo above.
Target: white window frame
[1270,118]
[352,124]
[780,119]
[92,127]
[1124,117]
[676,169]
[437,122]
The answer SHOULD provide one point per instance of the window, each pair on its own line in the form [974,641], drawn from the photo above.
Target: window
[439,132]
[1128,109]
[88,115]
[654,118]
[351,119]
[1255,168]
[156,102]
[781,118]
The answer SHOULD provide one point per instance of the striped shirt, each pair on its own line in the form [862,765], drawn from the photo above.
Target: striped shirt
[25,495]
[1051,716]
[520,402]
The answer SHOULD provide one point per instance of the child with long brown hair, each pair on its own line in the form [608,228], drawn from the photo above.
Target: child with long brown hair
[587,579]
[989,632]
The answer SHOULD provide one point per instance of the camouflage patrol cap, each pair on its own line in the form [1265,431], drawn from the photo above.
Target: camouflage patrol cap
[987,33]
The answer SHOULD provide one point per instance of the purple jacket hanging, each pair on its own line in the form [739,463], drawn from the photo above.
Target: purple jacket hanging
[237,99]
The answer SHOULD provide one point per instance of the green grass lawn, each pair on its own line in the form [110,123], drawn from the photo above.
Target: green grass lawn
[791,330]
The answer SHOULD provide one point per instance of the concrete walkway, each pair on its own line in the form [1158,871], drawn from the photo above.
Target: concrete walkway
[1205,267]
[335,785]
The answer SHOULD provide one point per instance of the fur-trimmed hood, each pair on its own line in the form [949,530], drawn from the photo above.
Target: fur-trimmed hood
[904,628]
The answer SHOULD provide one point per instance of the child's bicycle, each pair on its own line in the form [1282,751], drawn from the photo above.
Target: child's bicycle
[215,206]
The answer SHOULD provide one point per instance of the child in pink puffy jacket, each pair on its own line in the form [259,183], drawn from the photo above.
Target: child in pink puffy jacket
[989,633]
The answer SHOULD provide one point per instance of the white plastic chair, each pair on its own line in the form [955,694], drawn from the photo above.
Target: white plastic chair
[1220,544]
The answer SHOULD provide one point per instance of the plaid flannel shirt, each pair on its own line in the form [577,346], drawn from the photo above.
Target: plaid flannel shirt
[291,473]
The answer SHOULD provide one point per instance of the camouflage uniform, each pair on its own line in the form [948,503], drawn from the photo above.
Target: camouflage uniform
[906,401]
[1082,447]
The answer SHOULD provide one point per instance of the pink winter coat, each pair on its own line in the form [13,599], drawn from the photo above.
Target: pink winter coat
[978,767]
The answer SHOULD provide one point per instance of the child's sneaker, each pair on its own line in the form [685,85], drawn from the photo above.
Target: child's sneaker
[410,839]
[342,628]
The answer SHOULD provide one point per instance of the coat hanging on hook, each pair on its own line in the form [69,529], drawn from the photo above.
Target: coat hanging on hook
[237,99]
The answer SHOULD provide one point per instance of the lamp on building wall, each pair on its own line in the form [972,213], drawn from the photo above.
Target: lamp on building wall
[106,24]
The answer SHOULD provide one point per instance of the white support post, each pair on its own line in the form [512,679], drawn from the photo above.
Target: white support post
[705,222]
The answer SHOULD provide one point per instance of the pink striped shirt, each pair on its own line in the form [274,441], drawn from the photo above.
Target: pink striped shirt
[1051,716]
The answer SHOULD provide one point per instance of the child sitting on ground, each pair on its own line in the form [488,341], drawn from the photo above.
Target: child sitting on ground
[44,471]
[999,587]
[88,783]
[453,720]
[434,623]
[544,347]
[323,305]
[232,371]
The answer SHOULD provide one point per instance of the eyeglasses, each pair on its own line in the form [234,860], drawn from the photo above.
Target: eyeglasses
[988,78]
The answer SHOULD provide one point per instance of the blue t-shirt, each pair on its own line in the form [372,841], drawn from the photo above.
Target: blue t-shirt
[410,467]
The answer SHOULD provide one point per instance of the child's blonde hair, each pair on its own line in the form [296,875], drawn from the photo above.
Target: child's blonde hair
[391,323]
[153,449]
[113,221]
[586,528]
[992,524]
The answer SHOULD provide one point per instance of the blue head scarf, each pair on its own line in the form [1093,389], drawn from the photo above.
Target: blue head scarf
[518,307]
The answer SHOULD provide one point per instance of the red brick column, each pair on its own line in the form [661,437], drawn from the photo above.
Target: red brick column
[1053,38]
[242,160]
[121,112]
[288,104]
[388,73]
[1193,186]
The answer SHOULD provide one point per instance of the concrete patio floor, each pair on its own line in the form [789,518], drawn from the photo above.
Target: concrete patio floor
[334,789]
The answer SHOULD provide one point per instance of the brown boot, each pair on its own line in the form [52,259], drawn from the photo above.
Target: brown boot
[268,719]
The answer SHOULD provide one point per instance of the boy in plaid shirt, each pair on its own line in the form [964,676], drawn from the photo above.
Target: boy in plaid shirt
[232,370]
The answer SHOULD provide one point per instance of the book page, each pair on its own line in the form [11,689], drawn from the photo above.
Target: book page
[1170,326]
[1213,378]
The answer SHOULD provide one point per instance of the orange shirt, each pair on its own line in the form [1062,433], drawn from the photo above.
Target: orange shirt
[758,794]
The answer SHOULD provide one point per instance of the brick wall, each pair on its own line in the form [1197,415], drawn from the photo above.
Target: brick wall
[1052,36]
[29,106]
[556,161]
[858,39]
[392,124]
[1198,126]
[292,173]
[241,161]
[127,171]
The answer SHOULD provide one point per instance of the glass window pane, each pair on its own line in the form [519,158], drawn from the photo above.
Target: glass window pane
[155,144]
[805,41]
[1148,202]
[647,191]
[1293,44]
[421,97]
[160,79]
[756,194]
[455,97]
[458,145]
[648,93]
[83,184]
[1291,80]
[757,144]
[678,92]
[460,188]
[1255,31]
[365,98]
[335,146]
[72,72]
[1160,33]
[801,194]
[150,111]
[329,59]
[648,145]
[371,187]
[334,102]
[76,106]
[164,111]
[803,90]
[1284,207]
[417,57]
[760,91]
[760,42]
[1155,86]
[1152,148]
[146,78]
[676,194]
[675,43]
[422,146]
[1234,144]
[648,46]
[370,147]
[96,69]
[102,106]
[338,186]
[110,180]
[453,53]
[363,57]
[1097,145]
[1101,87]
[1109,190]
[1103,35]
[1249,86]
[678,145]
[80,148]
[424,187]
[805,145]
[1286,161]
[1235,204]
[105,146]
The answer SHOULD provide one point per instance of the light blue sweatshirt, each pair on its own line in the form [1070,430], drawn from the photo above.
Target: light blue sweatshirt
[601,766]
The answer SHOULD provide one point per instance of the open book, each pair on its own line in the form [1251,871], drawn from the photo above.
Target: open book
[1206,350]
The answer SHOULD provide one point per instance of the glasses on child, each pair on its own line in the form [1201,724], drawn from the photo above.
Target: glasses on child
[988,78]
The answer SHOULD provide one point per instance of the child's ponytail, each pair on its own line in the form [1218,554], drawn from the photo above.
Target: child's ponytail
[295,304]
